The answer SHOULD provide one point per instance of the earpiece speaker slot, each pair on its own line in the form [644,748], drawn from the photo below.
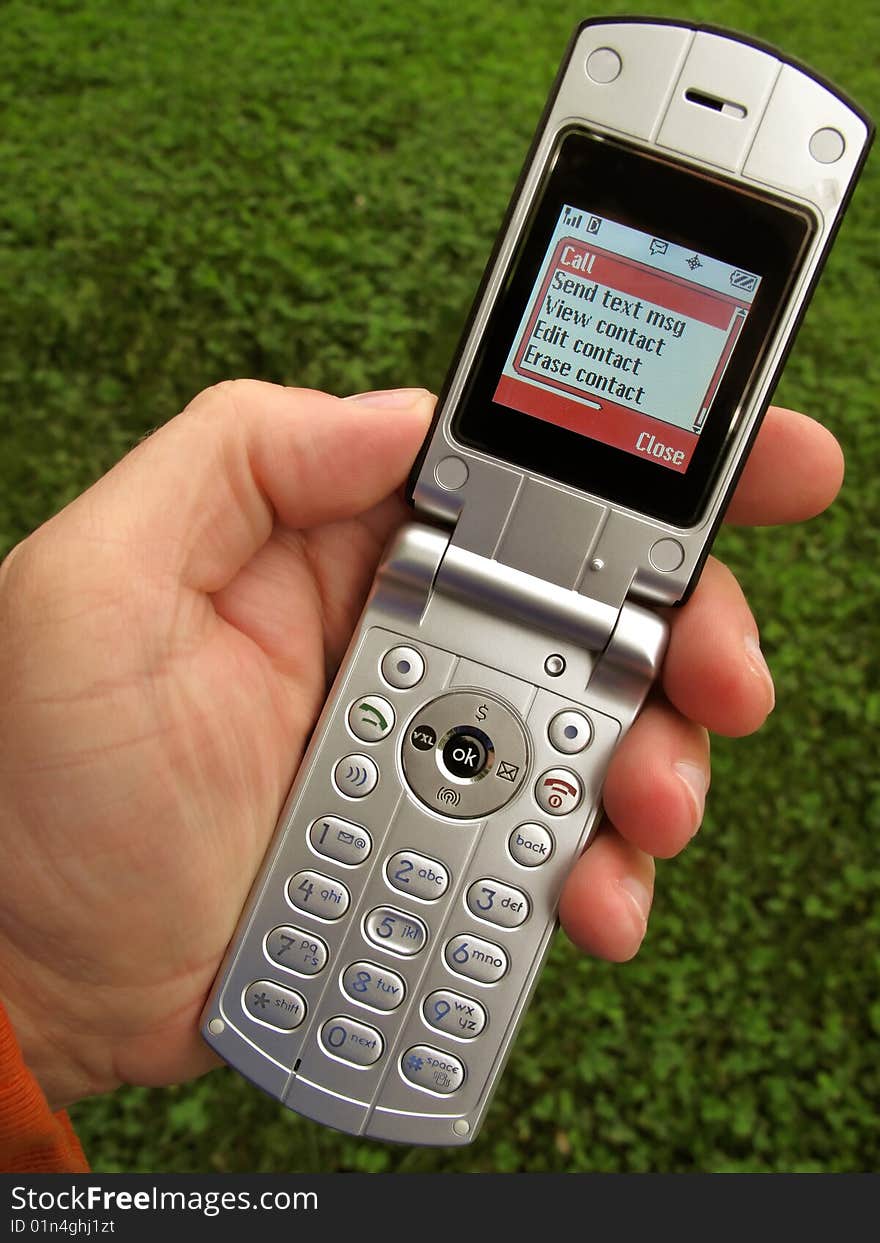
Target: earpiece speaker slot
[724,106]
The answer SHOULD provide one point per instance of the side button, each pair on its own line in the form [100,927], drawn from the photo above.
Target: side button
[352,1041]
[273,1005]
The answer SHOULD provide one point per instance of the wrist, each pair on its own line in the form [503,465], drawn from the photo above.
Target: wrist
[46,1033]
[33,1138]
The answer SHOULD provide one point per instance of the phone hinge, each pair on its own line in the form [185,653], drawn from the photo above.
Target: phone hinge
[627,643]
[493,587]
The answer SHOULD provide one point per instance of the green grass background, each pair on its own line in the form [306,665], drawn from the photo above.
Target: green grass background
[307,193]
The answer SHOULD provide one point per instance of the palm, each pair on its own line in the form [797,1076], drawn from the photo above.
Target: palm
[211,701]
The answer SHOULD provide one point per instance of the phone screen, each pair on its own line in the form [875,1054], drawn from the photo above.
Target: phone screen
[640,300]
[625,337]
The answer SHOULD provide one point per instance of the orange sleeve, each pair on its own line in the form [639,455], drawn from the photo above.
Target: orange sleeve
[33,1140]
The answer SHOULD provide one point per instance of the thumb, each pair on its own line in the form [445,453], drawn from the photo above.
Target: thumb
[202,493]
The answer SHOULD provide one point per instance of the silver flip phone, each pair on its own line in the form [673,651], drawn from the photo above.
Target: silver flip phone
[680,196]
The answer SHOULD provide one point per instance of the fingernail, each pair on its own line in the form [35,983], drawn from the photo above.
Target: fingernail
[638,901]
[391,398]
[694,779]
[755,657]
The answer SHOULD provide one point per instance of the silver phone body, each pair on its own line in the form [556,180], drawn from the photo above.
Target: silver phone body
[399,923]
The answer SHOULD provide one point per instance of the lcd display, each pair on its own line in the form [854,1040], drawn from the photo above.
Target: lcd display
[625,337]
[640,300]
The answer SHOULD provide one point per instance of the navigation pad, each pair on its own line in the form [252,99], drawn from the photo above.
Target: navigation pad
[465,754]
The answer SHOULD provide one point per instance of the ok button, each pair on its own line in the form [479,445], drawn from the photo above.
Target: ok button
[464,755]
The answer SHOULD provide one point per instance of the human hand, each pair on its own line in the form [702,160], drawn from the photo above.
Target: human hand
[167,640]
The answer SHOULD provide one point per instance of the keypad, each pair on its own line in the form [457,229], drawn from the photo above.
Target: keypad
[530,845]
[396,931]
[277,1007]
[430,1068]
[297,950]
[476,959]
[352,1041]
[558,791]
[373,986]
[415,874]
[318,895]
[570,732]
[356,776]
[454,1014]
[371,719]
[341,840]
[498,903]
[403,668]
[465,754]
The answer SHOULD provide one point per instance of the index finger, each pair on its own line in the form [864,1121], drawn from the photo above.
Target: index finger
[203,493]
[794,471]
